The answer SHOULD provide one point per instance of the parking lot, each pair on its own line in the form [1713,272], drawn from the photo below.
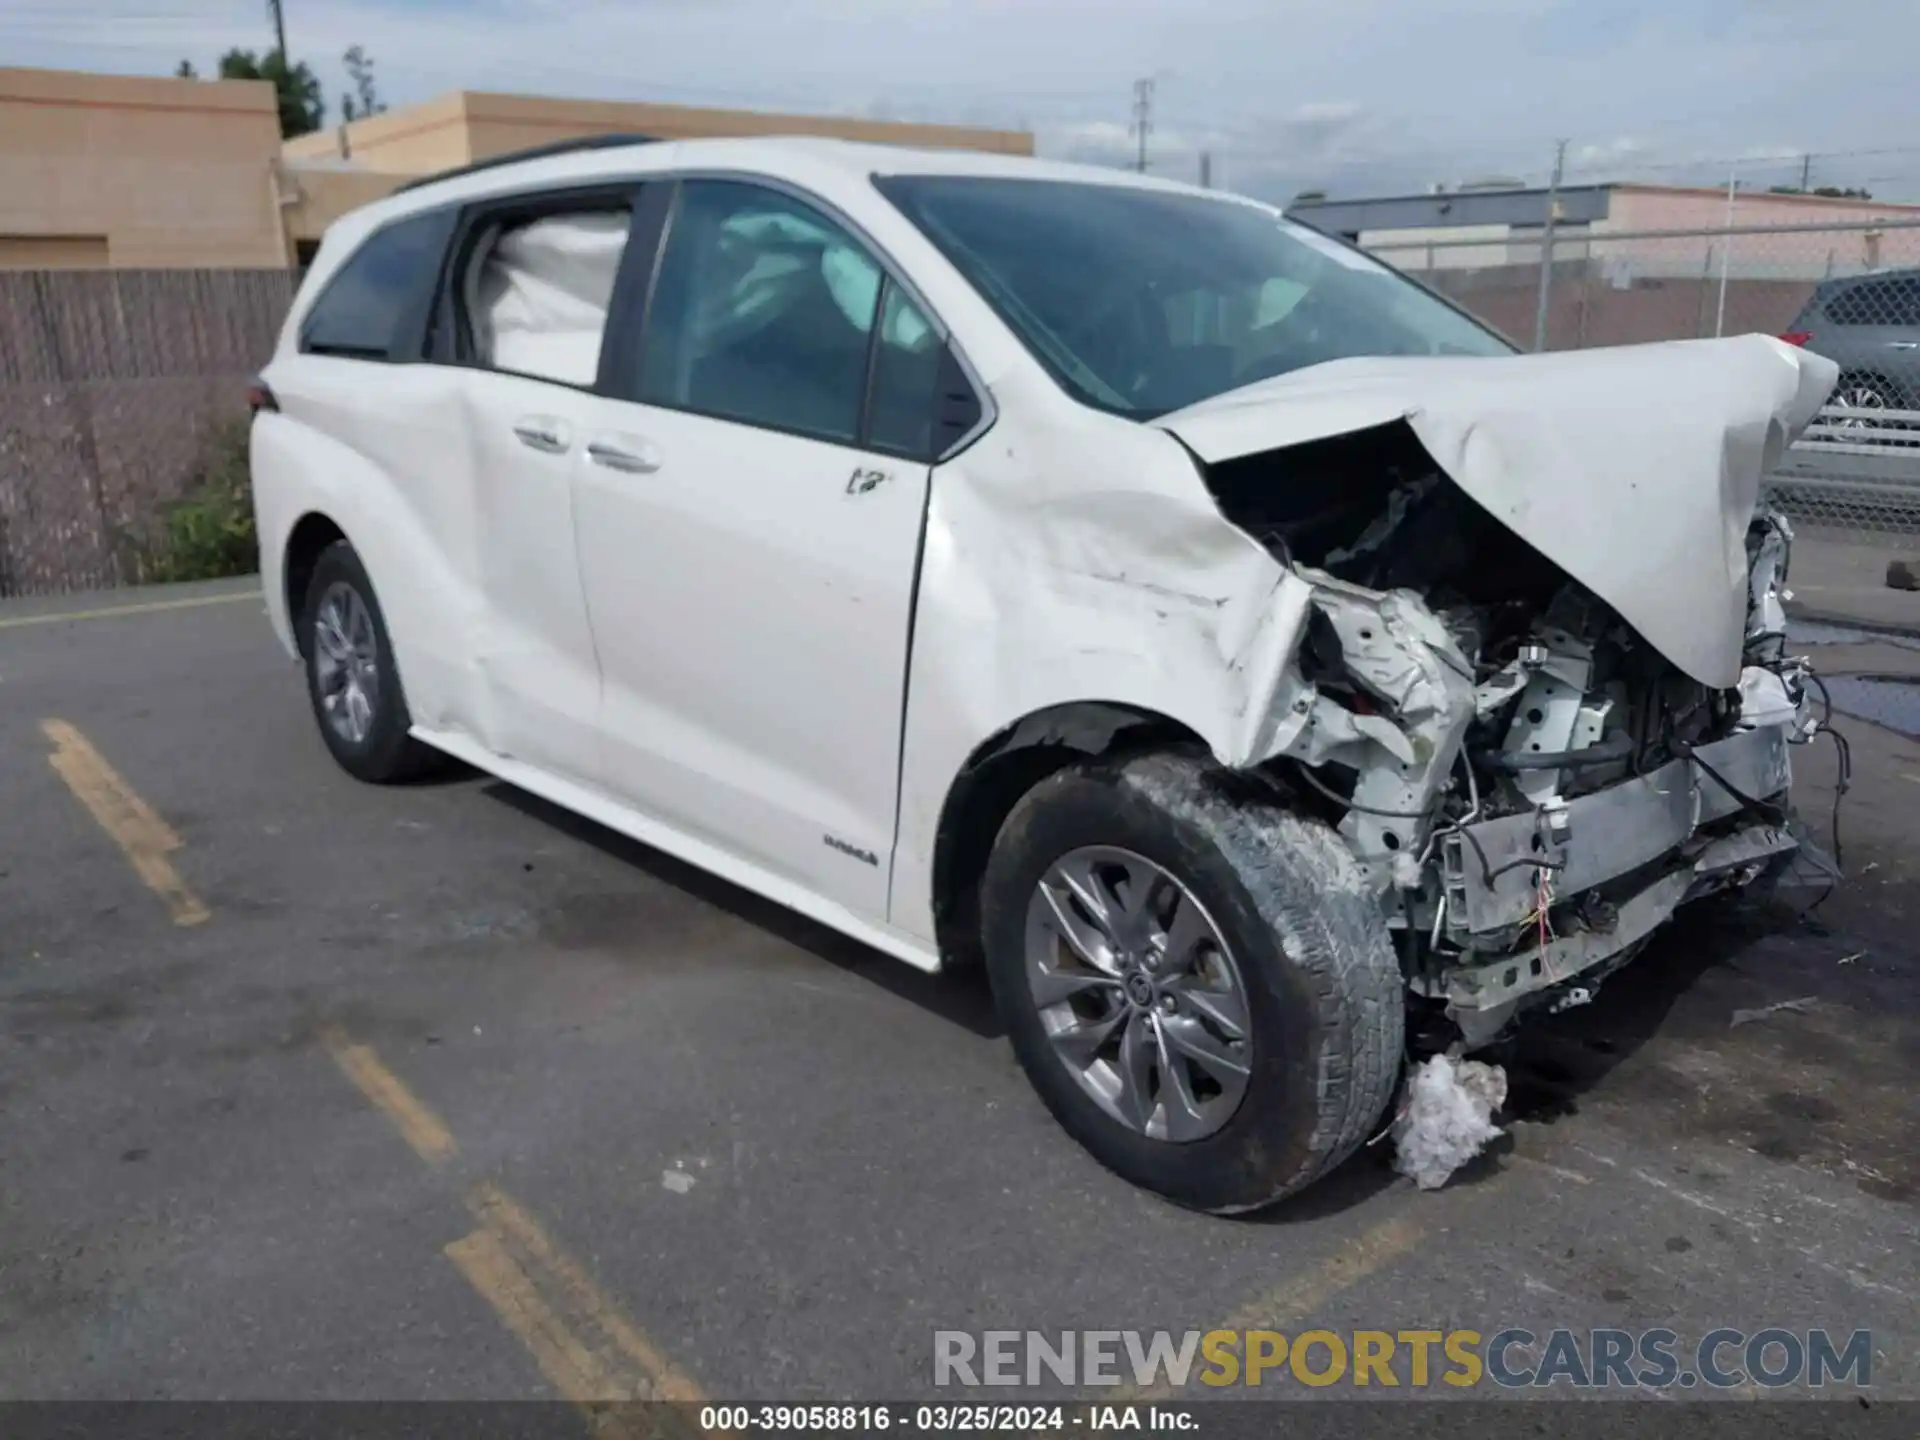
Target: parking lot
[312,1089]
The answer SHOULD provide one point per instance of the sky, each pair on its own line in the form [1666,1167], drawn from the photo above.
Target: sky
[1354,97]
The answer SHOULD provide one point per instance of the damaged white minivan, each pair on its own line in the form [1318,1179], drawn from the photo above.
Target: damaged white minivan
[1248,658]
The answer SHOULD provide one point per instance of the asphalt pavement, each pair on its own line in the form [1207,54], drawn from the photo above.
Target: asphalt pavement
[310,1089]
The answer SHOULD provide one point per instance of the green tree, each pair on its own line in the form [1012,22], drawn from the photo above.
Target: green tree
[1830,192]
[302,107]
[185,71]
[364,99]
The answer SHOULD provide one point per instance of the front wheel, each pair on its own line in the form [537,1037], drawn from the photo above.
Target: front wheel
[1199,985]
[351,678]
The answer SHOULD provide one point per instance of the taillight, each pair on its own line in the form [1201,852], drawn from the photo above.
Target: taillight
[260,397]
[1797,337]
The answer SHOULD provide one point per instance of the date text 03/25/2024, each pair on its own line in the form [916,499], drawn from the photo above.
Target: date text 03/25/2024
[938,1418]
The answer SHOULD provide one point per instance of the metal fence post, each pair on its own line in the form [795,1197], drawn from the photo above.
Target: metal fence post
[1726,256]
[1546,250]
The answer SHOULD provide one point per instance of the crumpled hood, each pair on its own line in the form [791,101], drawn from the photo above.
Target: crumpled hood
[1636,469]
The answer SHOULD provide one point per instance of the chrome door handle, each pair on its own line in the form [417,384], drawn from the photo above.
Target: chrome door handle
[543,433]
[1903,344]
[641,459]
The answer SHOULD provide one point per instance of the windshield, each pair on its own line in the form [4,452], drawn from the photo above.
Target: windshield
[1142,301]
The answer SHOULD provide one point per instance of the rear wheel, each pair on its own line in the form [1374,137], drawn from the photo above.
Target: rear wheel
[1863,391]
[351,678]
[1200,986]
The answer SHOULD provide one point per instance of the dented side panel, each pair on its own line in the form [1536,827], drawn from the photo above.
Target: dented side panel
[1073,557]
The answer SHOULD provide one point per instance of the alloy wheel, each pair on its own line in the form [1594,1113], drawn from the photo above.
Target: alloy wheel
[346,663]
[1139,995]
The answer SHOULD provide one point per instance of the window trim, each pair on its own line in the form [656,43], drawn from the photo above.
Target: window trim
[449,321]
[619,381]
[408,345]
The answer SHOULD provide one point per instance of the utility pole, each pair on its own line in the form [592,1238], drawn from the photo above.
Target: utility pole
[1142,118]
[279,28]
[1206,169]
[1806,172]
[1726,252]
[1546,248]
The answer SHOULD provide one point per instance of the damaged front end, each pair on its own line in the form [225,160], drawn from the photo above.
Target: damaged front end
[1532,785]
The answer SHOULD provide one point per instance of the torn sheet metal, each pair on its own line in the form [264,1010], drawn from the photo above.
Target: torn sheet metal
[1073,557]
[1635,469]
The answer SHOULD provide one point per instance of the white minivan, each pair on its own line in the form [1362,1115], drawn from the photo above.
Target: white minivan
[1246,656]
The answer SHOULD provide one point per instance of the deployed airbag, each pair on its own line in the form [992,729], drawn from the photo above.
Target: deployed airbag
[541,294]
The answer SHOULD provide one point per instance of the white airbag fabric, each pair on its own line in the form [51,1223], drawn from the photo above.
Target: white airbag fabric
[1635,469]
[542,296]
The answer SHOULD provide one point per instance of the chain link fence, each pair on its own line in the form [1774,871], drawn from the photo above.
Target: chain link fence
[1850,292]
[113,384]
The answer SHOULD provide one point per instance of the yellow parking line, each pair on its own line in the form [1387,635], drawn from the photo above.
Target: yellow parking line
[1296,1299]
[629,1364]
[417,1124]
[574,1370]
[664,1380]
[142,835]
[582,1342]
[107,612]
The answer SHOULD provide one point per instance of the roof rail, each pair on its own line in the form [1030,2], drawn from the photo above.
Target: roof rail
[536,152]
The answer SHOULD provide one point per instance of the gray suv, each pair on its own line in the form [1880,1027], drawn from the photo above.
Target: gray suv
[1869,325]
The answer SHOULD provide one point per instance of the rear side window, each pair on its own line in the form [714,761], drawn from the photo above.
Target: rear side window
[536,293]
[373,307]
[1894,301]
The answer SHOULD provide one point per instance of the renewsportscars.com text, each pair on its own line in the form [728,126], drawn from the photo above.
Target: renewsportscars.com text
[1512,1358]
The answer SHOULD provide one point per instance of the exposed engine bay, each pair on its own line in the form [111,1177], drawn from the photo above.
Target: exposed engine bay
[1532,787]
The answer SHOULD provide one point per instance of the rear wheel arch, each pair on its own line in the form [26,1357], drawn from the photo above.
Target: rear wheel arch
[306,543]
[999,774]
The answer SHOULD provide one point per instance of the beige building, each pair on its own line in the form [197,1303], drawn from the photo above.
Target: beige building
[468,125]
[123,172]
[109,170]
[1634,231]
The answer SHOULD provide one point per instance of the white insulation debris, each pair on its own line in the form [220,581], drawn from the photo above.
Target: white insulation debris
[1446,1118]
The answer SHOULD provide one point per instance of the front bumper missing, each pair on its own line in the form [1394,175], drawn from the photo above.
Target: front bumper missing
[1600,837]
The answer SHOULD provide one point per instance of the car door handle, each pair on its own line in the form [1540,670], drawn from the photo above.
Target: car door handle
[634,457]
[543,433]
[1903,344]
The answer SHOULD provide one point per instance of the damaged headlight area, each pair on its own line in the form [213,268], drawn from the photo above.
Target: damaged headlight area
[1532,787]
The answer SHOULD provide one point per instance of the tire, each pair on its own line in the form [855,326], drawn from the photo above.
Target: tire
[383,752]
[1321,986]
[1865,390]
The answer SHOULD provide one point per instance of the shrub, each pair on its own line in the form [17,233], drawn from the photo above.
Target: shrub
[209,534]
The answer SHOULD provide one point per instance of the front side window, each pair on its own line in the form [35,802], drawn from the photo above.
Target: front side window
[384,286]
[1141,301]
[762,311]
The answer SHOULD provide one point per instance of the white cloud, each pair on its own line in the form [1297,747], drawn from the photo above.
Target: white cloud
[1368,95]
